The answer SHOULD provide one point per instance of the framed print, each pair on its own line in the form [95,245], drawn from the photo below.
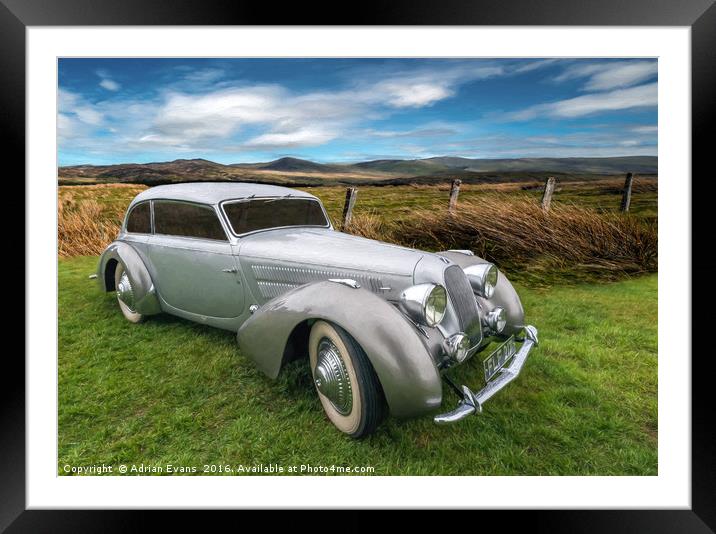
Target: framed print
[409,260]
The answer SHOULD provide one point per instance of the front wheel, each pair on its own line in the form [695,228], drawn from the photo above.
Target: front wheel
[345,380]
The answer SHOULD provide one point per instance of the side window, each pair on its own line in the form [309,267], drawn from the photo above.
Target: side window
[140,219]
[187,220]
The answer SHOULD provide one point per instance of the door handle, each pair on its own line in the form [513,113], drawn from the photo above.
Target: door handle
[231,270]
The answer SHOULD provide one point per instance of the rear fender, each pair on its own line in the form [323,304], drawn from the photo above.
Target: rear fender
[146,300]
[410,379]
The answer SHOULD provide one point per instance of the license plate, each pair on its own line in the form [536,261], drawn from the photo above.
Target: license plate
[496,361]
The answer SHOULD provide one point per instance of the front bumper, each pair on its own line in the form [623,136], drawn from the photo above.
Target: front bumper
[472,402]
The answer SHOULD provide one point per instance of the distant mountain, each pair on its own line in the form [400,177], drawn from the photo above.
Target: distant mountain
[291,165]
[388,171]
[615,165]
[415,167]
[178,168]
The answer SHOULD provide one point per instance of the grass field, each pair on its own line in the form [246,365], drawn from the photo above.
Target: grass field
[174,392]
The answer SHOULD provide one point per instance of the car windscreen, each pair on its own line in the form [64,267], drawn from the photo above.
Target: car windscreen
[263,213]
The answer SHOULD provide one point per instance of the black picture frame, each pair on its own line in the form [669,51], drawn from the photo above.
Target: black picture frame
[699,15]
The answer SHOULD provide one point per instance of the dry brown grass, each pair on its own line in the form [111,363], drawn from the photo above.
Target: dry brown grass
[82,228]
[369,224]
[570,241]
[518,235]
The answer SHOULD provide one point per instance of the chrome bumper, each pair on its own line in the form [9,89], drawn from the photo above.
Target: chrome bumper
[472,402]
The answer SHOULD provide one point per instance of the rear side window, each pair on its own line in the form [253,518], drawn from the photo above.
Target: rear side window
[140,219]
[187,220]
[260,214]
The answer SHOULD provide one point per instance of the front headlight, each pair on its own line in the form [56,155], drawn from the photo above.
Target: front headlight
[425,303]
[497,320]
[483,278]
[457,347]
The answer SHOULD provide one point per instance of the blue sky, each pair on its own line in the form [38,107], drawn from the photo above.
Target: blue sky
[345,110]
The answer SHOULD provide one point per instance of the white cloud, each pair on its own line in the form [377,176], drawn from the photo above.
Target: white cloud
[534,65]
[290,119]
[79,121]
[645,129]
[76,116]
[110,85]
[521,151]
[580,71]
[205,75]
[621,76]
[65,127]
[88,115]
[283,119]
[424,87]
[610,75]
[216,114]
[415,95]
[106,81]
[591,142]
[296,138]
[633,97]
[431,129]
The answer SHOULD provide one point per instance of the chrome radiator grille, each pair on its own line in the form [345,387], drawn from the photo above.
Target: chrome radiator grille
[463,300]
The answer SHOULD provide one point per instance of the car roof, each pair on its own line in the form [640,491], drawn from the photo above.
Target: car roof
[215,192]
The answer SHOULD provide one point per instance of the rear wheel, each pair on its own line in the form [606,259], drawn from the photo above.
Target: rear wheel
[125,295]
[345,380]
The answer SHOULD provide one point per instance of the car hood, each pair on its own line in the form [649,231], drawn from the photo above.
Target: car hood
[275,261]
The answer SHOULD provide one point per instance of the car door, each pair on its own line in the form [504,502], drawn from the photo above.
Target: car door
[195,269]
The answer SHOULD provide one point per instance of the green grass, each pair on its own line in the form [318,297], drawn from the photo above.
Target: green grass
[172,392]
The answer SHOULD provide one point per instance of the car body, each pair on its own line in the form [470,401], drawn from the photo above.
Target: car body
[380,324]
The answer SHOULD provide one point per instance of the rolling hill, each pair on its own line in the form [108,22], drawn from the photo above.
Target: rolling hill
[295,171]
[616,165]
[291,165]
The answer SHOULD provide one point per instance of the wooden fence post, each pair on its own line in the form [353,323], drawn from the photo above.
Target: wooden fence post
[351,194]
[454,192]
[548,191]
[626,194]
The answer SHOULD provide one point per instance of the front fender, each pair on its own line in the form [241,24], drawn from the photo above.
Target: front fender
[146,300]
[410,379]
[504,296]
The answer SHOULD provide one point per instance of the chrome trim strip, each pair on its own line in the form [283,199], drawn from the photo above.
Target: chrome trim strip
[346,282]
[472,402]
[462,251]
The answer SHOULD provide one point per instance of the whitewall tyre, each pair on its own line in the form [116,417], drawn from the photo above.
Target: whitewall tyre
[345,380]
[125,295]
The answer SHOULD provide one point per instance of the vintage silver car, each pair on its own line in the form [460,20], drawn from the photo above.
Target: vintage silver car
[380,325]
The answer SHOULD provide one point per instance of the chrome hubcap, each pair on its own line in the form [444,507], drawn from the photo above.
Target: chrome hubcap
[124,291]
[331,377]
